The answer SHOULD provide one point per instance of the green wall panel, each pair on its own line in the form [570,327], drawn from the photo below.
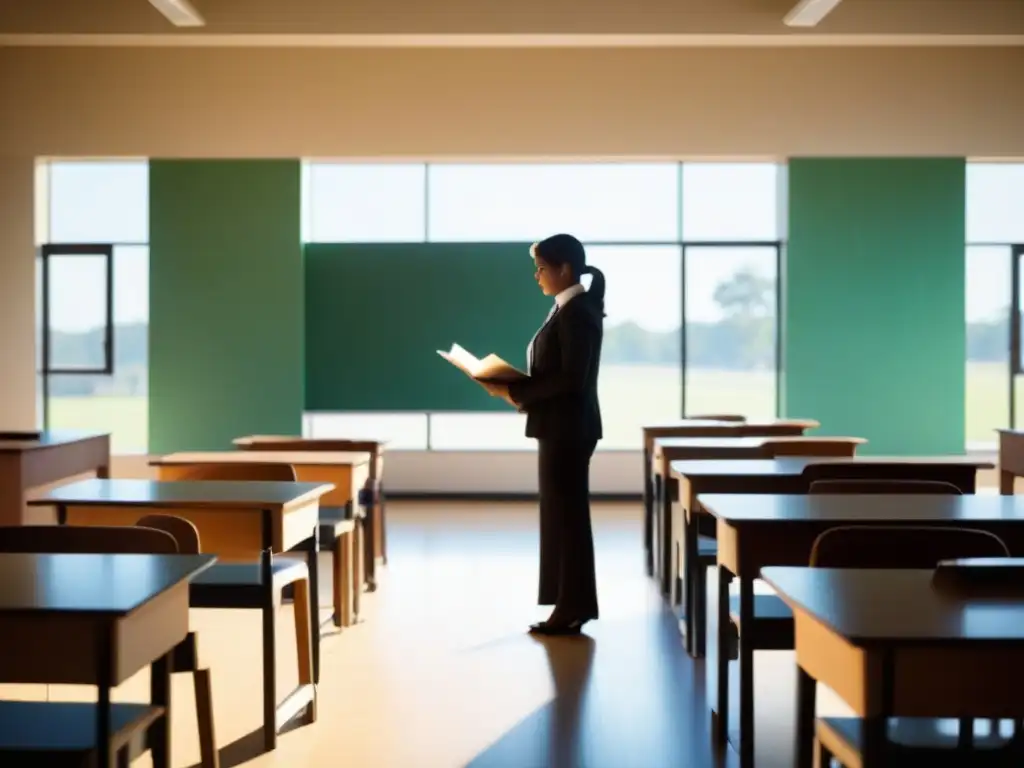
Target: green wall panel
[226,301]
[377,313]
[873,310]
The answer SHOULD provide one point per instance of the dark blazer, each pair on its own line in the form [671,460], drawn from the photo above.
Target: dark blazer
[560,395]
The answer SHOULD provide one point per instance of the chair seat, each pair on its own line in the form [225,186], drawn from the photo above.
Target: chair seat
[285,569]
[912,737]
[34,733]
[773,622]
[330,530]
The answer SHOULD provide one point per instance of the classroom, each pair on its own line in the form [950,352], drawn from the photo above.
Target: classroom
[234,236]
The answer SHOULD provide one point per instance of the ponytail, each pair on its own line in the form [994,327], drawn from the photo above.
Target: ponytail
[597,286]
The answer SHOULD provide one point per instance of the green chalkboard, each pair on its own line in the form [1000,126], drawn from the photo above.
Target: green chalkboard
[376,314]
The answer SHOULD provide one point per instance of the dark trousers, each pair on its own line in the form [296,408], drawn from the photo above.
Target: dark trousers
[567,577]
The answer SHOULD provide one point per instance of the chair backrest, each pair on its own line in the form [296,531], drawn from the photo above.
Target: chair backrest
[86,539]
[960,475]
[901,546]
[184,532]
[242,470]
[812,446]
[920,487]
[718,417]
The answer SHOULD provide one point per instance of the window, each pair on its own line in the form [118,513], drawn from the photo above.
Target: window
[116,403]
[99,202]
[731,202]
[995,203]
[731,298]
[988,277]
[401,431]
[479,432]
[641,378]
[103,204]
[597,203]
[365,203]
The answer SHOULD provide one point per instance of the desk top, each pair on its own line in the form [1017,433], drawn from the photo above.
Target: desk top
[293,458]
[717,443]
[105,585]
[295,442]
[896,607]
[862,508]
[738,425]
[240,494]
[795,465]
[19,442]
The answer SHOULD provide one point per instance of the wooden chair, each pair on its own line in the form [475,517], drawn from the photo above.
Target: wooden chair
[911,546]
[149,539]
[261,585]
[338,533]
[813,446]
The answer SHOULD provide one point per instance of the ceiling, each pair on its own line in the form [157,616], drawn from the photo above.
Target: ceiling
[48,18]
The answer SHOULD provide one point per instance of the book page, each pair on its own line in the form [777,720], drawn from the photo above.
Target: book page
[491,368]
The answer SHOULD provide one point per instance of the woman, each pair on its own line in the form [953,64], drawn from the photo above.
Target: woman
[563,414]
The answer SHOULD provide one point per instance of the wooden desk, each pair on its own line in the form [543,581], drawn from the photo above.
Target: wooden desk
[877,637]
[97,620]
[374,486]
[346,471]
[786,475]
[1011,458]
[653,494]
[760,531]
[49,458]
[236,520]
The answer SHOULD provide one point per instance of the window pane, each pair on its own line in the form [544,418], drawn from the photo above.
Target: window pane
[731,330]
[77,294]
[401,431]
[363,203]
[730,201]
[641,378]
[99,202]
[988,274]
[119,403]
[609,202]
[995,202]
[479,432]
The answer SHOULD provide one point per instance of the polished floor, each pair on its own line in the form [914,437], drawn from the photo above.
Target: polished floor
[441,674]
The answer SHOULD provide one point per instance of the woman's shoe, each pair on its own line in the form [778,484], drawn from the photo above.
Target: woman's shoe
[557,628]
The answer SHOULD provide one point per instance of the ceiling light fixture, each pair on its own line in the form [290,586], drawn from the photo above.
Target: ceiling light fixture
[180,13]
[807,13]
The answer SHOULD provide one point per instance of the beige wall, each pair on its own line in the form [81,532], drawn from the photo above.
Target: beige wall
[669,102]
[17,294]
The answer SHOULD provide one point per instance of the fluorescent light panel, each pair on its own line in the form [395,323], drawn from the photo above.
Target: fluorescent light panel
[807,13]
[180,13]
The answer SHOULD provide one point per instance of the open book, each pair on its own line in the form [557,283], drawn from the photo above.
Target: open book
[491,368]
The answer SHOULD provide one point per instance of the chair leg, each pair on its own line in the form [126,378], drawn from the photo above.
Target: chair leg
[699,598]
[209,757]
[824,756]
[270,666]
[383,525]
[343,580]
[304,631]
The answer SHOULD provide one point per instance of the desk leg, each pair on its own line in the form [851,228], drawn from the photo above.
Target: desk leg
[720,714]
[104,675]
[313,561]
[806,695]
[1006,482]
[667,544]
[369,546]
[268,612]
[746,663]
[160,696]
[382,507]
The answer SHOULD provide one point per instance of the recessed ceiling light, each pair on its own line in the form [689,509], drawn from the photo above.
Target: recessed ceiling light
[807,13]
[180,13]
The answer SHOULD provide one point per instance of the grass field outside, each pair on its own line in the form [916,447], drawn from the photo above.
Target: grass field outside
[630,396]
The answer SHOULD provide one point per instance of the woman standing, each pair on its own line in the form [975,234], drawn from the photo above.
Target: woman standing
[563,414]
